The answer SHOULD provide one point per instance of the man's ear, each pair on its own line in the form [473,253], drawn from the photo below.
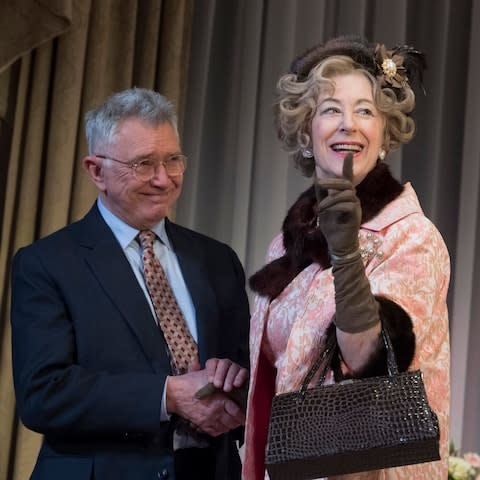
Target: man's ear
[93,166]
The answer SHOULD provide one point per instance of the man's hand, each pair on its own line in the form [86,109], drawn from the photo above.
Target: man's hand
[225,374]
[223,371]
[217,413]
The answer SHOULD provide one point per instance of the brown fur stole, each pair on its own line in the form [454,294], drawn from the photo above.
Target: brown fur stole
[305,244]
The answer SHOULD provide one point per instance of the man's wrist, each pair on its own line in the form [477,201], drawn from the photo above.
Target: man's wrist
[169,398]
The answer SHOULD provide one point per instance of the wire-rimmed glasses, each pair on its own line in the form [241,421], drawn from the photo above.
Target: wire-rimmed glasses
[144,169]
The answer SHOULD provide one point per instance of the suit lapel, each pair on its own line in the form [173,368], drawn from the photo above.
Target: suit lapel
[109,265]
[192,263]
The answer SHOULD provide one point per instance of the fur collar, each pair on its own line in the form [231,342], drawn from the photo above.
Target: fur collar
[304,244]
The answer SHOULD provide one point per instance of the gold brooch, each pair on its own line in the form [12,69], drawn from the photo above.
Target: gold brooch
[392,71]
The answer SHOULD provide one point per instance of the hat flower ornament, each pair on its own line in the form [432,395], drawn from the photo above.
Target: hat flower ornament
[391,69]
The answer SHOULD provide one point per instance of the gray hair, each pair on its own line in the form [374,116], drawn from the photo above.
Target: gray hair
[101,123]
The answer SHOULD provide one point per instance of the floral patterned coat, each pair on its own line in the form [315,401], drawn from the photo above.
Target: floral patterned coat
[407,262]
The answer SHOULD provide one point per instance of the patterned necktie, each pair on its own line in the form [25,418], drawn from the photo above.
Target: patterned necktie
[182,346]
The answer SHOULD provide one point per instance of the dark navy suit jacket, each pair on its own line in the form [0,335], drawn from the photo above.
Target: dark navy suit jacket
[89,361]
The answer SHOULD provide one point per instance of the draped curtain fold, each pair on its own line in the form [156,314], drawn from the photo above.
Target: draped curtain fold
[243,48]
[26,24]
[104,46]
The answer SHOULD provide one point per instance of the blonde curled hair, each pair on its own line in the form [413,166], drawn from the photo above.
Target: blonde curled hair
[297,103]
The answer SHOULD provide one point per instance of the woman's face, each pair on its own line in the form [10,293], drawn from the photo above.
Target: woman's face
[347,120]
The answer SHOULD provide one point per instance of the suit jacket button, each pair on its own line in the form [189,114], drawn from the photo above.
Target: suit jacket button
[163,473]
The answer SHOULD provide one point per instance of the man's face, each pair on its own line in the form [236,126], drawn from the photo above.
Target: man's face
[141,204]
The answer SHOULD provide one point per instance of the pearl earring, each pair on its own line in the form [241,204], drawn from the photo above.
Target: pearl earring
[307,153]
[382,154]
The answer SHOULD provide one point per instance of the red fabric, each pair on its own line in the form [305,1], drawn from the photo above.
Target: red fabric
[261,407]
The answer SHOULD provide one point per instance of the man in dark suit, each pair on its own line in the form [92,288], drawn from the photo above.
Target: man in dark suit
[92,367]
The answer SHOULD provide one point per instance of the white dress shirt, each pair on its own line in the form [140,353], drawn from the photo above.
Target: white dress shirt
[127,238]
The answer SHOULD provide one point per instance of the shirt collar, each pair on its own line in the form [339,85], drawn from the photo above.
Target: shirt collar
[124,233]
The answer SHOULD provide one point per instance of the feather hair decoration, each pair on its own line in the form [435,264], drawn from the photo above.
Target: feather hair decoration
[415,64]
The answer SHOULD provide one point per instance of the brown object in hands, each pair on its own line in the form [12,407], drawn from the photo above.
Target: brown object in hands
[237,394]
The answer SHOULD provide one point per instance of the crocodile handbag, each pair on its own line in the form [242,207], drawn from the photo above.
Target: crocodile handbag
[351,426]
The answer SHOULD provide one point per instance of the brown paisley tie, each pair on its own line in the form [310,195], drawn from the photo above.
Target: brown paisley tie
[182,346]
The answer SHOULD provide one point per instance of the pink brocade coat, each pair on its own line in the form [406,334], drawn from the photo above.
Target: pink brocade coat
[407,262]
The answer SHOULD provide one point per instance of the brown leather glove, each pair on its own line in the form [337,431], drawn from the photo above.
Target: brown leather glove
[339,217]
[339,213]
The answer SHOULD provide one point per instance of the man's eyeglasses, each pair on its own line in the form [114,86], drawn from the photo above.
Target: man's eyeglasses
[144,169]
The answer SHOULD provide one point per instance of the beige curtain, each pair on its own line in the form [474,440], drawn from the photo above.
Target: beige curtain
[25,24]
[108,45]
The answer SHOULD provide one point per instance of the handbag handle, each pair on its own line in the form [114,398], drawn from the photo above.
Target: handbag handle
[331,347]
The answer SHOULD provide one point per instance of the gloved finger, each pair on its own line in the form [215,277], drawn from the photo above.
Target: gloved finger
[341,214]
[348,167]
[346,196]
[338,209]
[329,184]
